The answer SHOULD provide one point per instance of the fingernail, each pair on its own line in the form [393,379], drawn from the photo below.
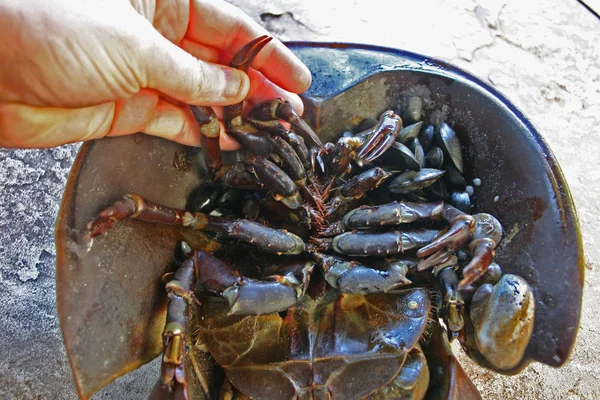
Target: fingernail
[304,77]
[237,84]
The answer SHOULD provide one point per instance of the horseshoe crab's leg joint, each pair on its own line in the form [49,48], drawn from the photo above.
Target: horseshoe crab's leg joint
[380,137]
[282,109]
[459,234]
[173,379]
[133,206]
[439,260]
[242,60]
[395,213]
[357,186]
[271,240]
[300,148]
[210,131]
[353,277]
[278,241]
[488,234]
[246,296]
[341,155]
[277,181]
[238,175]
[381,244]
[453,301]
[292,273]
[483,253]
[290,159]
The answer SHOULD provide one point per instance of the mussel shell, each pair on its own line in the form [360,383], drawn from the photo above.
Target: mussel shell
[251,205]
[409,181]
[453,177]
[417,150]
[418,196]
[204,198]
[366,124]
[437,191]
[434,157]
[413,110]
[230,202]
[492,274]
[503,319]
[399,156]
[426,137]
[461,200]
[448,141]
[409,132]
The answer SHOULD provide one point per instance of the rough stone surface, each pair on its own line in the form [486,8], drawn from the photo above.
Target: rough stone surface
[544,55]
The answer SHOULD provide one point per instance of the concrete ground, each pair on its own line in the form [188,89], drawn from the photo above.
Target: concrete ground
[543,55]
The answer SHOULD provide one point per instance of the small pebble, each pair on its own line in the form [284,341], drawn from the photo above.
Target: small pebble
[496,199]
[477,182]
[470,190]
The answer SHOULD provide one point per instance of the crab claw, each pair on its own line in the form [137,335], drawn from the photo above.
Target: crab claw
[381,137]
[483,255]
[458,236]
[242,59]
[283,109]
[123,208]
[440,259]
[488,234]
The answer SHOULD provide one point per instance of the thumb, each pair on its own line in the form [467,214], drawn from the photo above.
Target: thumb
[171,70]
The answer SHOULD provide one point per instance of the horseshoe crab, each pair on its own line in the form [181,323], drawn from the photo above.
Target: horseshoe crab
[125,268]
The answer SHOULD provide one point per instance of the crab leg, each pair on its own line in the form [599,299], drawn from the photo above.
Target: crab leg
[300,148]
[353,277]
[395,213]
[453,301]
[483,254]
[482,232]
[173,378]
[341,155]
[242,61]
[296,141]
[282,109]
[275,179]
[357,186]
[290,159]
[379,244]
[206,118]
[380,137]
[210,130]
[246,296]
[460,233]
[245,133]
[271,240]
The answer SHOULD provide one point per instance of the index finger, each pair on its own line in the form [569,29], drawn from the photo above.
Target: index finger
[221,25]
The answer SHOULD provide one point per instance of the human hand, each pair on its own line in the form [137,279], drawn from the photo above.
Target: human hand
[74,70]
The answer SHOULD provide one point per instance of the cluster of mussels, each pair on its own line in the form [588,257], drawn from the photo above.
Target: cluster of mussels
[325,253]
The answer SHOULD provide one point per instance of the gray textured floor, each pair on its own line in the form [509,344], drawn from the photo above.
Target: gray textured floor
[544,55]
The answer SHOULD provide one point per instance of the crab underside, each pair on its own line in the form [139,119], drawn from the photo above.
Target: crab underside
[330,266]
